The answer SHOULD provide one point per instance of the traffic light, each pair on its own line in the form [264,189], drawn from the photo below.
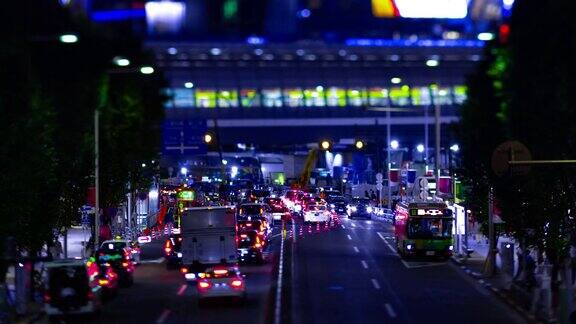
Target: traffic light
[359,144]
[325,145]
[208,138]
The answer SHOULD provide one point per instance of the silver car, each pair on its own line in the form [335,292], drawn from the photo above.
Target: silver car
[221,281]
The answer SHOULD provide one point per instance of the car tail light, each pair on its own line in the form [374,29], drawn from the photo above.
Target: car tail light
[90,294]
[125,264]
[204,285]
[236,283]
[167,250]
[184,270]
[103,282]
[258,245]
[220,271]
[47,297]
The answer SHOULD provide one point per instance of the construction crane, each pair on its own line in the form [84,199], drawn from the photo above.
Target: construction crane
[308,167]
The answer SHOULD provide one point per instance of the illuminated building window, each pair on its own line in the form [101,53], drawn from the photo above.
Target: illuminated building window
[314,97]
[293,97]
[227,98]
[356,97]
[378,97]
[180,98]
[250,98]
[460,94]
[272,97]
[205,98]
[441,95]
[421,96]
[400,96]
[336,97]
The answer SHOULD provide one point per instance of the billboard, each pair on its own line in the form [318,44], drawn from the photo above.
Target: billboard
[447,9]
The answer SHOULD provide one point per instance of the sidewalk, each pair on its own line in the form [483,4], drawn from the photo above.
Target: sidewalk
[499,284]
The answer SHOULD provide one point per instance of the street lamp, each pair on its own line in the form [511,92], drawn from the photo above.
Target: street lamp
[359,144]
[188,85]
[325,145]
[455,148]
[432,63]
[395,80]
[146,70]
[68,38]
[420,148]
[394,144]
[121,61]
[208,138]
[184,171]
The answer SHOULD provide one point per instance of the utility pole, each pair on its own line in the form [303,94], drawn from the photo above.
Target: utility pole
[96,177]
[437,129]
[388,139]
[489,265]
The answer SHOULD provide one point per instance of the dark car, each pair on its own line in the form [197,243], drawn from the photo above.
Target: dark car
[173,251]
[120,260]
[337,204]
[70,289]
[360,208]
[250,246]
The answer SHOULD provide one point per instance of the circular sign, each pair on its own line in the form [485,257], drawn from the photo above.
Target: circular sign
[510,151]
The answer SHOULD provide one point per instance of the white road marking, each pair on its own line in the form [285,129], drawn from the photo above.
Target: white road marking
[163,316]
[344,227]
[294,231]
[159,260]
[182,289]
[349,237]
[390,310]
[356,249]
[386,242]
[353,225]
[364,264]
[278,306]
[375,284]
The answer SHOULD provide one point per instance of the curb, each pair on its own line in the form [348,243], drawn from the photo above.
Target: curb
[495,291]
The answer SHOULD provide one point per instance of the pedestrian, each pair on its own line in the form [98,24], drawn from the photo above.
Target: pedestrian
[372,195]
[366,194]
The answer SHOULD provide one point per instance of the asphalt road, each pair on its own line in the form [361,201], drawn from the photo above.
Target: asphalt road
[351,274]
[162,296]
[344,273]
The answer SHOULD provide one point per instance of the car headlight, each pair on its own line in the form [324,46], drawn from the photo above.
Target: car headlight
[190,276]
[332,205]
[369,209]
[179,255]
[353,208]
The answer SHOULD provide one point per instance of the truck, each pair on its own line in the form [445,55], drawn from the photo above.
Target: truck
[208,239]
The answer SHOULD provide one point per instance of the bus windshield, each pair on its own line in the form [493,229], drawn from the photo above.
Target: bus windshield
[429,228]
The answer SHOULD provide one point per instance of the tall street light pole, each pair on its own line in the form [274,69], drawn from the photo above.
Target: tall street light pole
[96,177]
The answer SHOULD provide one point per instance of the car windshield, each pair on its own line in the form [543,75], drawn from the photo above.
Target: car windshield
[251,210]
[317,208]
[429,228]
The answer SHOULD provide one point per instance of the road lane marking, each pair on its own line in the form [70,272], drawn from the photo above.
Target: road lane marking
[390,310]
[278,306]
[364,264]
[386,242]
[163,316]
[375,284]
[344,227]
[349,237]
[356,249]
[159,260]
[182,289]
[353,225]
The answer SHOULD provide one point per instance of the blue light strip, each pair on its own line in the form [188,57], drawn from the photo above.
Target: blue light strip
[376,42]
[116,15]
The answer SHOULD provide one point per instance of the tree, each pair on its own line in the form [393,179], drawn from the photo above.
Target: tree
[49,91]
[524,91]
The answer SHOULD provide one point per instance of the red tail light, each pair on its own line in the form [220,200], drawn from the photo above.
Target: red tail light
[204,285]
[90,294]
[257,245]
[47,298]
[236,283]
[220,271]
[125,264]
[183,270]
[167,250]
